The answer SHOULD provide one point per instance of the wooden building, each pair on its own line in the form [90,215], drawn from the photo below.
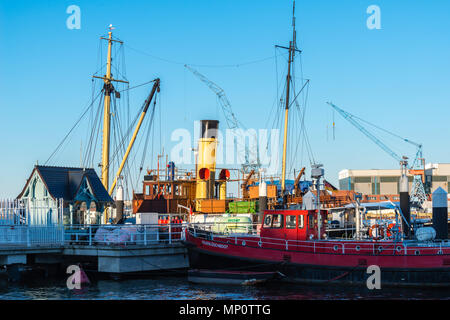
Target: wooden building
[80,189]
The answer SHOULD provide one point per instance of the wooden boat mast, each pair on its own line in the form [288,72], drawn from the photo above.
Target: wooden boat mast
[108,89]
[292,49]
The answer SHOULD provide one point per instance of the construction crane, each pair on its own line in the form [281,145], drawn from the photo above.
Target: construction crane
[297,181]
[232,122]
[418,195]
[245,184]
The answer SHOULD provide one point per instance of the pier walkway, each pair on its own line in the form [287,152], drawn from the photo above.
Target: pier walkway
[111,248]
[32,233]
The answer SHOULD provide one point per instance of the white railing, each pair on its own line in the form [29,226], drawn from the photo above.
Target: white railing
[12,212]
[124,235]
[31,222]
[23,235]
[31,212]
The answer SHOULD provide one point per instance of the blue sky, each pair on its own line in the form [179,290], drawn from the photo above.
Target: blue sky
[397,77]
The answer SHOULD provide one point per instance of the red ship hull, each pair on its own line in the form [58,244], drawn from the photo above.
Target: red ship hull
[324,261]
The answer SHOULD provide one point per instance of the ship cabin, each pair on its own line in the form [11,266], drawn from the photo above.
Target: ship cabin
[298,225]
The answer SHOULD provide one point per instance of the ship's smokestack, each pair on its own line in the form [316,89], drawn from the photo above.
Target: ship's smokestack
[404,200]
[262,199]
[440,213]
[206,159]
[119,205]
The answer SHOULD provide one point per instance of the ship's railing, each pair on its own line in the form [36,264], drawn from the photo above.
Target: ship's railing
[124,235]
[361,247]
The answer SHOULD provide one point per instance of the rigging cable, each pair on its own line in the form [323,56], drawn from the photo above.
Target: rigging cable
[70,131]
[236,65]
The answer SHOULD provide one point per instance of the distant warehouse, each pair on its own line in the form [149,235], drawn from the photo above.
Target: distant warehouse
[380,181]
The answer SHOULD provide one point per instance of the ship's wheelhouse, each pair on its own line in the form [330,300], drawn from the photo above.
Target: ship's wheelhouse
[292,224]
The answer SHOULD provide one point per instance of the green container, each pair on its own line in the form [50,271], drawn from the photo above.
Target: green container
[243,207]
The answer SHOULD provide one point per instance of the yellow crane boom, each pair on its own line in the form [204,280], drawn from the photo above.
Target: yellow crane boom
[136,131]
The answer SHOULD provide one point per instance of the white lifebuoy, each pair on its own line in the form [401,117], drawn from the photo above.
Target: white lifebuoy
[380,232]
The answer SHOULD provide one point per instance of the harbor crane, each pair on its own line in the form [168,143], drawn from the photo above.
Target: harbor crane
[232,122]
[418,196]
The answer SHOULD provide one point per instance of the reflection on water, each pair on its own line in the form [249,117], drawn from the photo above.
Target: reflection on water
[178,288]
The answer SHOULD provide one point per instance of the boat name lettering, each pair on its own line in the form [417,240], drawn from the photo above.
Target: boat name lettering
[213,244]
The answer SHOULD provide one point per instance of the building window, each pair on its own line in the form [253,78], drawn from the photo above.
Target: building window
[300,222]
[277,221]
[268,221]
[273,221]
[389,179]
[311,221]
[291,222]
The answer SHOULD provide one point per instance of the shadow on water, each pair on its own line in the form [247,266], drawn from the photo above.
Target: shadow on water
[169,287]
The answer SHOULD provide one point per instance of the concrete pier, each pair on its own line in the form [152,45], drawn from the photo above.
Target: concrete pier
[116,259]
[133,258]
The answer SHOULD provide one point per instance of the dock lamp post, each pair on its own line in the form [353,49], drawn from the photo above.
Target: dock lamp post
[318,172]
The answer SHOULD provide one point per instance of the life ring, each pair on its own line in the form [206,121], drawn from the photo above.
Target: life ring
[389,230]
[380,232]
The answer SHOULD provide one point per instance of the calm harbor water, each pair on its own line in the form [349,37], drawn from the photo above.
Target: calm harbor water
[178,288]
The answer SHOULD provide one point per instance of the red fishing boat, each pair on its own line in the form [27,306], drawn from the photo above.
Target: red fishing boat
[288,243]
[295,242]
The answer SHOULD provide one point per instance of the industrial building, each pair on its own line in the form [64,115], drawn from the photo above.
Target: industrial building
[386,182]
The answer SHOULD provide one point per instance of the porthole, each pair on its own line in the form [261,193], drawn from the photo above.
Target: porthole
[358,248]
[440,252]
[417,252]
[243,243]
[336,247]
[259,243]
[398,249]
[380,249]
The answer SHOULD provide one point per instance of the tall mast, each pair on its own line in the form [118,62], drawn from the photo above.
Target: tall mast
[292,49]
[108,88]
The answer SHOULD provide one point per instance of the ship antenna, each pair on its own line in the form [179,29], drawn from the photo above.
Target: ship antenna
[294,36]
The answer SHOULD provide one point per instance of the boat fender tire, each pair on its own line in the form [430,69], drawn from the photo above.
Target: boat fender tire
[381,232]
